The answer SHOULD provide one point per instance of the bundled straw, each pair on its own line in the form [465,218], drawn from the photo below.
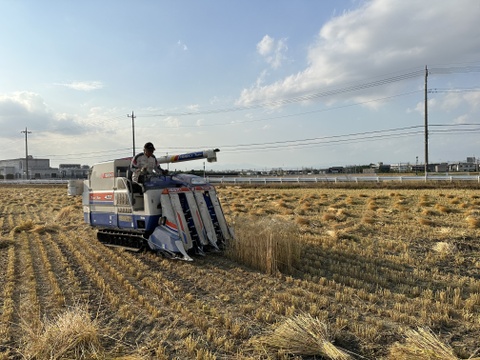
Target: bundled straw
[67,213]
[422,345]
[70,335]
[304,335]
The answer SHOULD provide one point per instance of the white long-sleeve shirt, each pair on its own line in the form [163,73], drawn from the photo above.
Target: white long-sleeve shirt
[141,161]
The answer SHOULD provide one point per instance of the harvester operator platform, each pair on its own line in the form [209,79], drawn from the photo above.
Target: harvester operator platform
[145,163]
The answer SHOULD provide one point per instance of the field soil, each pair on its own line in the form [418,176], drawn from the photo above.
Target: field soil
[373,264]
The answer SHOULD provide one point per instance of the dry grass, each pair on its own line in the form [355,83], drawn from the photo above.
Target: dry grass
[367,273]
[328,216]
[302,221]
[473,222]
[426,222]
[31,226]
[372,205]
[5,243]
[269,244]
[421,344]
[70,335]
[67,213]
[45,228]
[443,209]
[304,335]
[24,226]
[444,248]
[429,212]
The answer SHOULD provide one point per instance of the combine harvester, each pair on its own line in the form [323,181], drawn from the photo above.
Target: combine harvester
[178,215]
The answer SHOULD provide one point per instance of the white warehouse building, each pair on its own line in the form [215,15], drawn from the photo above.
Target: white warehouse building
[39,169]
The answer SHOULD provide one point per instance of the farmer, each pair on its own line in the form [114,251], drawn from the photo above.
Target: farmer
[145,163]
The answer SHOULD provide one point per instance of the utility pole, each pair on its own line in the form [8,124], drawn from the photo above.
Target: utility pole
[426,121]
[26,132]
[133,131]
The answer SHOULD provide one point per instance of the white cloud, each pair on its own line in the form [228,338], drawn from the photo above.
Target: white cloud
[454,100]
[451,101]
[172,122]
[22,109]
[265,46]
[462,119]
[473,99]
[273,51]
[181,45]
[420,107]
[380,37]
[83,85]
[29,109]
[193,107]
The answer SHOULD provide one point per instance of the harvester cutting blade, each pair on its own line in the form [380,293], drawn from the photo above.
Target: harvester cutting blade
[211,236]
[180,248]
[167,241]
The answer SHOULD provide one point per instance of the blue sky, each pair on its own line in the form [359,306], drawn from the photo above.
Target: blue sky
[272,83]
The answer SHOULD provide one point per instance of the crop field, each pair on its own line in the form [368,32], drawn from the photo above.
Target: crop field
[314,273]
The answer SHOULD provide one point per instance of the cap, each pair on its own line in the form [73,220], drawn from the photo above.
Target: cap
[149,146]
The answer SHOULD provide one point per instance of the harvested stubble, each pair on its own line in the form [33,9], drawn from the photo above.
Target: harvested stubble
[328,216]
[45,228]
[5,243]
[427,222]
[444,248]
[304,335]
[372,205]
[473,222]
[371,278]
[442,208]
[368,219]
[24,226]
[302,221]
[429,212]
[67,213]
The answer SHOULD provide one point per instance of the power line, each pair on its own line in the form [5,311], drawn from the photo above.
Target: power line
[231,123]
[302,98]
[326,137]
[314,96]
[326,93]
[327,142]
[100,152]
[454,70]
[301,143]
[452,90]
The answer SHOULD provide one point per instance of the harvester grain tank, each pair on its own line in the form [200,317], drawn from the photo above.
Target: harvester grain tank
[177,215]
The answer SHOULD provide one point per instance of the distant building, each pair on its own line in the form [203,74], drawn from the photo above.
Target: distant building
[443,167]
[335,170]
[463,167]
[379,167]
[400,167]
[15,169]
[73,171]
